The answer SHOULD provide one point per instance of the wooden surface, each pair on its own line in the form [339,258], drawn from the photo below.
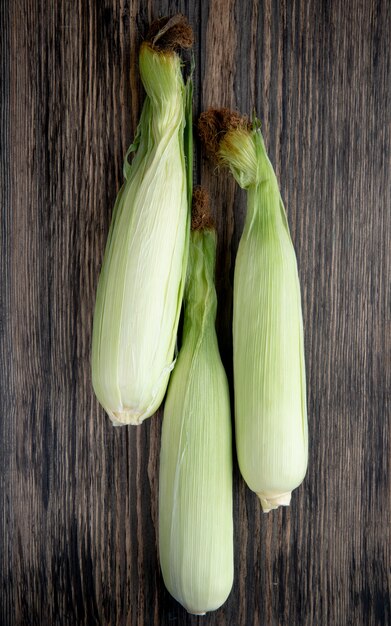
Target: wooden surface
[78,497]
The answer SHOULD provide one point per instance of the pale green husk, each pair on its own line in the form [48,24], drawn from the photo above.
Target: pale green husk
[195,483]
[269,372]
[142,279]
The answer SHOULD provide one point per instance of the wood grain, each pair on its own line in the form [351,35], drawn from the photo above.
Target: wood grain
[78,539]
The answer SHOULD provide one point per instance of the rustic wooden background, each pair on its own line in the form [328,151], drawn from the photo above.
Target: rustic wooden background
[79,498]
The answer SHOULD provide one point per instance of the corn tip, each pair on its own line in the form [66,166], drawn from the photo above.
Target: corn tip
[191,613]
[127,417]
[272,502]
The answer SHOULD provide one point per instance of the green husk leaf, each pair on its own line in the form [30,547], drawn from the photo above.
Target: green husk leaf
[269,370]
[195,482]
[143,274]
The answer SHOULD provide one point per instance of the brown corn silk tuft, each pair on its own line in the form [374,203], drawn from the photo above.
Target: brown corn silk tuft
[213,125]
[200,211]
[170,33]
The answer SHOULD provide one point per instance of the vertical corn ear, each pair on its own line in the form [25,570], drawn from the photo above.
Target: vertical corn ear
[195,483]
[269,370]
[141,284]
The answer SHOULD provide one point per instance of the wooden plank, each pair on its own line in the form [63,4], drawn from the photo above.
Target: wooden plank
[79,498]
[6,382]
